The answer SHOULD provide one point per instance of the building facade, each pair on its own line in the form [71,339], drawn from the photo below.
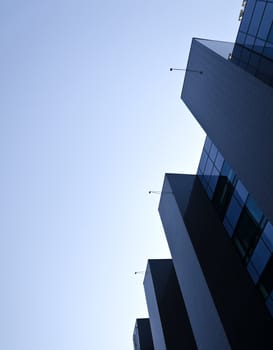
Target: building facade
[218,223]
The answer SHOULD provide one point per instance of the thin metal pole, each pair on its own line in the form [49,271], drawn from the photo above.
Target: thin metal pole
[187,70]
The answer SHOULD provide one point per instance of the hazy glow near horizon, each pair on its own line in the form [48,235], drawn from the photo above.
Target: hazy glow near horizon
[91,120]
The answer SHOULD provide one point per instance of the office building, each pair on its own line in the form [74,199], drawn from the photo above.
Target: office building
[218,223]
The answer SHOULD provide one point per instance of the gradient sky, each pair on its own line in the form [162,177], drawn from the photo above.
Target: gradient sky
[90,120]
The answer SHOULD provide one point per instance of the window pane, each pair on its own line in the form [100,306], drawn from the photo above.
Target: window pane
[249,41]
[247,16]
[259,45]
[266,22]
[270,34]
[246,233]
[240,192]
[207,144]
[233,212]
[213,152]
[240,38]
[219,161]
[254,210]
[255,21]
[203,161]
[268,236]
[260,256]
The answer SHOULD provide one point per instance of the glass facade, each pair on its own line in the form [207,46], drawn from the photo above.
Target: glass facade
[253,50]
[245,223]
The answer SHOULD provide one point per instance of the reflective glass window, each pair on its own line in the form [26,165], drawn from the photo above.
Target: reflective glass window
[213,152]
[256,19]
[270,34]
[219,161]
[260,256]
[222,195]
[208,167]
[213,179]
[233,212]
[203,161]
[259,45]
[254,210]
[268,235]
[240,192]
[266,22]
[249,41]
[207,145]
[228,172]
[240,38]
[246,234]
[247,16]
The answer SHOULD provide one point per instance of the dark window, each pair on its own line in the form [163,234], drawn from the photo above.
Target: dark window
[247,233]
[254,59]
[266,281]
[224,190]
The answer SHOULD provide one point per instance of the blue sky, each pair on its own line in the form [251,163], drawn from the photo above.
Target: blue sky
[90,121]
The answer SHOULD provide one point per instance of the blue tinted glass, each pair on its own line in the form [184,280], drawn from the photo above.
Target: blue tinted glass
[270,34]
[260,256]
[233,212]
[213,152]
[203,161]
[256,19]
[266,22]
[208,168]
[259,45]
[254,210]
[219,161]
[249,41]
[241,192]
[247,16]
[207,144]
[240,38]
[253,273]
[227,171]
[268,236]
[213,179]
